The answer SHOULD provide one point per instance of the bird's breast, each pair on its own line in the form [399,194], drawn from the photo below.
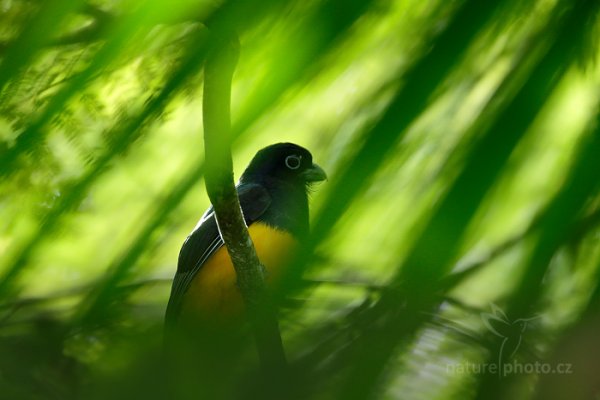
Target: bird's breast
[213,293]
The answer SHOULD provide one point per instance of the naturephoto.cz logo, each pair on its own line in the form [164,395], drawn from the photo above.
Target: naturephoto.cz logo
[513,367]
[511,334]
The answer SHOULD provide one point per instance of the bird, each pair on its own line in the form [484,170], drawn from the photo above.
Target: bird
[273,191]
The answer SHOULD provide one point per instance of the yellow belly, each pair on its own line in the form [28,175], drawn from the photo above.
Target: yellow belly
[213,293]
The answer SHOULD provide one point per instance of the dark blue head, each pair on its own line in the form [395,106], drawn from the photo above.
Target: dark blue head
[283,162]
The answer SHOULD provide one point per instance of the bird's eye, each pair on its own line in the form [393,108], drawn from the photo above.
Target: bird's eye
[293,161]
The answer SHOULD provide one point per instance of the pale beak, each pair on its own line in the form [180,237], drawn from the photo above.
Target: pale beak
[314,174]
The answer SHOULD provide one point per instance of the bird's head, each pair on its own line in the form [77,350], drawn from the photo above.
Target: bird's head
[286,162]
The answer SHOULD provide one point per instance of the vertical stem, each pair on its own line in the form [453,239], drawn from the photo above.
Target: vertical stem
[221,190]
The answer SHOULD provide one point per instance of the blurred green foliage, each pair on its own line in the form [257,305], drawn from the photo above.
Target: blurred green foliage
[462,144]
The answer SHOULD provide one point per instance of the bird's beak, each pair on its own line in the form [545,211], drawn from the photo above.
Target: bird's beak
[314,174]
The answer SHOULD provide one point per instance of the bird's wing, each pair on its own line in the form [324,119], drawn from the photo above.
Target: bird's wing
[205,240]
